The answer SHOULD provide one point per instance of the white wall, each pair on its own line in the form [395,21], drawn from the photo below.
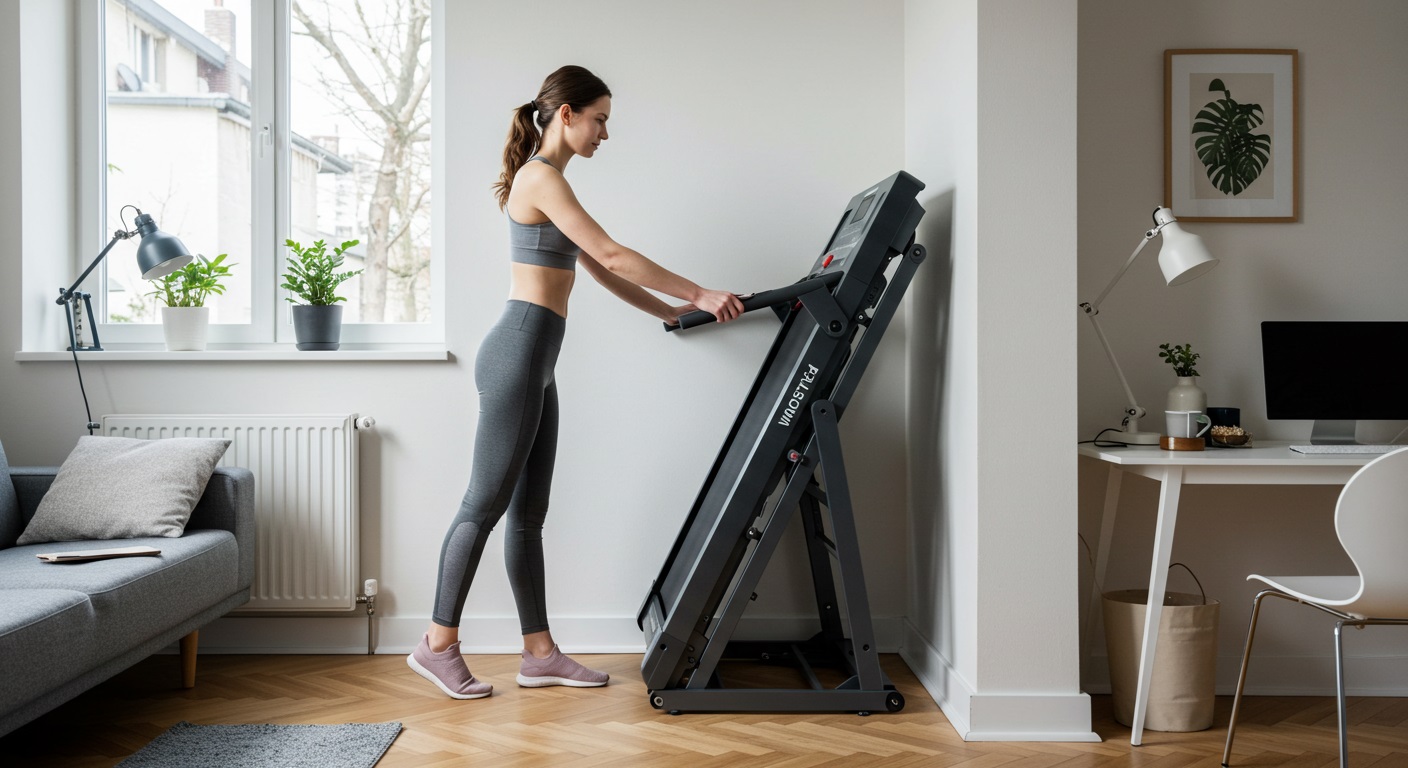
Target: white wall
[1345,259]
[738,131]
[990,121]
[941,138]
[11,163]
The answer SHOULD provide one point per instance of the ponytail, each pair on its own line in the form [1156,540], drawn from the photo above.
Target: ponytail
[523,141]
[570,85]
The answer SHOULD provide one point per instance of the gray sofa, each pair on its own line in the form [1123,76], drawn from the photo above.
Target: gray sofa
[67,627]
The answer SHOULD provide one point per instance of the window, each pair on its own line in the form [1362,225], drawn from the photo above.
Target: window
[238,124]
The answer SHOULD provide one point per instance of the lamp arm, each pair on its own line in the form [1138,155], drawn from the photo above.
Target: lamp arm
[1134,411]
[1092,308]
[66,295]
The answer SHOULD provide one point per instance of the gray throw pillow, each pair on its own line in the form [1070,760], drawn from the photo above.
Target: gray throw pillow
[121,488]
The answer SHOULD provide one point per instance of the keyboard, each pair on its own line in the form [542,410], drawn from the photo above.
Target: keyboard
[1356,448]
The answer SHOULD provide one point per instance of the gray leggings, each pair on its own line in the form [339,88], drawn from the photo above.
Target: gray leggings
[514,450]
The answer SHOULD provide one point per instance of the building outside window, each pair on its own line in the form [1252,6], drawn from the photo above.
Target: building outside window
[199,127]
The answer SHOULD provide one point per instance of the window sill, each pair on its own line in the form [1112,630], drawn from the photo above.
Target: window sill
[269,353]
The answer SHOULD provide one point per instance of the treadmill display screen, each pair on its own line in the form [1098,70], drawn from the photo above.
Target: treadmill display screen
[864,208]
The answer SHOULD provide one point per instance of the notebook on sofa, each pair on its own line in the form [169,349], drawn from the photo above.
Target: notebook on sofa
[80,556]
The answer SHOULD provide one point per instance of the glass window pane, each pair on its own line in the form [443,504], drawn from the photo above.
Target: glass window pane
[177,141]
[360,116]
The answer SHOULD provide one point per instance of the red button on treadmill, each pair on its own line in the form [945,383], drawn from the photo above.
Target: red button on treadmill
[827,261]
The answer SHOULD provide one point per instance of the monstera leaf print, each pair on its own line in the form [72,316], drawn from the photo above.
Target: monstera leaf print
[1222,135]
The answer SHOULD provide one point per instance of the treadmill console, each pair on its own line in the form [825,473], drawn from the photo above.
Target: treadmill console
[877,224]
[850,230]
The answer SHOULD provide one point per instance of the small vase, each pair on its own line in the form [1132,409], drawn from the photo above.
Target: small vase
[1187,396]
[185,328]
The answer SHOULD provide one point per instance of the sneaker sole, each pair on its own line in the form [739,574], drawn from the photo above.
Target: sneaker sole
[428,675]
[543,682]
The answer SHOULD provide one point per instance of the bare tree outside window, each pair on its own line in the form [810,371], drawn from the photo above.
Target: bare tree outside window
[361,72]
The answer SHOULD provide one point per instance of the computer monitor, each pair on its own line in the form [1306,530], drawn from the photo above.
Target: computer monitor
[1335,372]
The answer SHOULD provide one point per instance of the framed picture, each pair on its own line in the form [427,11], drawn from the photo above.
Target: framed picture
[1231,136]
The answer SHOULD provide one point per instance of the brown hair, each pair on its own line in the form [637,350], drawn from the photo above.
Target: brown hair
[570,85]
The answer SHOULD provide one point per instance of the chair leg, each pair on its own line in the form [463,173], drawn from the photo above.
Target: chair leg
[1339,691]
[188,659]
[1242,677]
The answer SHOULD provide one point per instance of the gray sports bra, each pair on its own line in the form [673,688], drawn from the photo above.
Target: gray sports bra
[541,245]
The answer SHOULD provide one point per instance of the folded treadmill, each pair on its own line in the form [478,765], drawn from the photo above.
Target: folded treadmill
[786,435]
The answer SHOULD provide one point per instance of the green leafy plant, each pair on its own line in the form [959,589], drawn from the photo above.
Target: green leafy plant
[1181,358]
[192,284]
[1222,135]
[314,277]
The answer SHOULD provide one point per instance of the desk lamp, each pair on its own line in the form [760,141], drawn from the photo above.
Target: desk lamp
[158,255]
[1182,258]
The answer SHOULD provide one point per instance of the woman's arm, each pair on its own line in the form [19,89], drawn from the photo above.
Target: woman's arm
[550,194]
[631,293]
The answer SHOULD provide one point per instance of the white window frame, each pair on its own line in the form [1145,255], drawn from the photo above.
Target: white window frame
[271,139]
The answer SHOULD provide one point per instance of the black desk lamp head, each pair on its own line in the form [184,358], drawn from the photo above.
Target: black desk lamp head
[158,255]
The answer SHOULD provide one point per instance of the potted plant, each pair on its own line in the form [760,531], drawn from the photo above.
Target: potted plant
[313,278]
[1186,395]
[185,319]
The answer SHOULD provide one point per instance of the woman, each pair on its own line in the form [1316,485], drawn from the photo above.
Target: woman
[549,233]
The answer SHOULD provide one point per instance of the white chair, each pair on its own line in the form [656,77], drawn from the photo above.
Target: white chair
[1371,520]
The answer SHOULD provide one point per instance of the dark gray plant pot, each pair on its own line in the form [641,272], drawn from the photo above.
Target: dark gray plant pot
[317,328]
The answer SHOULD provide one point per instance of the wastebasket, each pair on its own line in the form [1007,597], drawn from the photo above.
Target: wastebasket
[1181,693]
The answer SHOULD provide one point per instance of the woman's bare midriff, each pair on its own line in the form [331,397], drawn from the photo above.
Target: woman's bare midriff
[545,286]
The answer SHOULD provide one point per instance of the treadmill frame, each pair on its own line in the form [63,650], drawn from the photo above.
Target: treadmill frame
[681,673]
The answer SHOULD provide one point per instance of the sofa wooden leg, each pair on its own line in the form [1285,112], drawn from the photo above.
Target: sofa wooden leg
[188,659]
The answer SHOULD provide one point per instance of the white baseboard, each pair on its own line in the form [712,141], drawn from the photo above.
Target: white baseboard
[948,688]
[995,717]
[1290,675]
[399,635]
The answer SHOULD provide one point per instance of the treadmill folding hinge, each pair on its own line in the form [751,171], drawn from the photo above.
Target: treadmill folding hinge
[827,313]
[885,310]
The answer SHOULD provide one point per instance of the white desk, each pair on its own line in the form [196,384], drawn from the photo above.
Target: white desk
[1270,463]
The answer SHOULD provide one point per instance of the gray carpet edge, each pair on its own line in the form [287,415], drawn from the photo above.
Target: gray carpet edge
[189,745]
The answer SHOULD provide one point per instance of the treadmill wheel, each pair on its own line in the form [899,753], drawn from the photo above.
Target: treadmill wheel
[657,702]
[894,702]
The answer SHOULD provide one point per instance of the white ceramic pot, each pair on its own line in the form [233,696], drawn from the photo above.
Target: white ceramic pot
[185,328]
[1187,396]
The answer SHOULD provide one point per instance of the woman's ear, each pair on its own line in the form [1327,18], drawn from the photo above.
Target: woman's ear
[564,114]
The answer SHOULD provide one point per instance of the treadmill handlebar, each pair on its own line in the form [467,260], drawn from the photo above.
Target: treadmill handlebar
[761,300]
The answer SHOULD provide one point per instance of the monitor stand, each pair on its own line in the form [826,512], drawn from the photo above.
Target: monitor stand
[1333,432]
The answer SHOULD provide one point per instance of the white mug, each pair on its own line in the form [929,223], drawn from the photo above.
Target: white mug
[1185,423]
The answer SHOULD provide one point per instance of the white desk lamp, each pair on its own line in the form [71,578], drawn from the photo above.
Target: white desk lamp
[1182,258]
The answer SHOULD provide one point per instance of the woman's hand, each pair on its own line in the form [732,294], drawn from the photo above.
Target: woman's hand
[674,313]
[723,305]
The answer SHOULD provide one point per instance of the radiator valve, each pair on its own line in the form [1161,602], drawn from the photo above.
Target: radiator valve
[368,596]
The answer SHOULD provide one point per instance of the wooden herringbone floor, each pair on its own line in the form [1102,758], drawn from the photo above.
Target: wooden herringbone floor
[615,726]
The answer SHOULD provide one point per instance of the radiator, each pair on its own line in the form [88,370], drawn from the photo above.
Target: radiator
[305,508]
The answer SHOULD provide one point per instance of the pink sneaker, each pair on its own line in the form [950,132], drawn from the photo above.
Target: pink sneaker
[447,670]
[557,669]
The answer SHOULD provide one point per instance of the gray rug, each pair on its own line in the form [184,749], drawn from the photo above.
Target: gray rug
[183,745]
